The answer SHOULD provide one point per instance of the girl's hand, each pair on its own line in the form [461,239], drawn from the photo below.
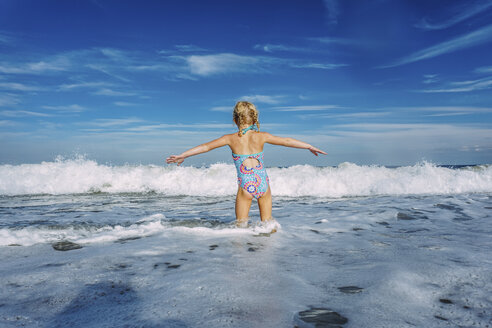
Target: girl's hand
[315,151]
[175,159]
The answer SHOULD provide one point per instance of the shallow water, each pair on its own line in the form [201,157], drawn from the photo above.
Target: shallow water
[155,260]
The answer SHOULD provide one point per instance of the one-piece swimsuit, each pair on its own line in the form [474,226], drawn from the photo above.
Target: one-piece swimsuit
[252,179]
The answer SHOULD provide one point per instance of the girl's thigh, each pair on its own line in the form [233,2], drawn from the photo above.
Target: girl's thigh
[265,205]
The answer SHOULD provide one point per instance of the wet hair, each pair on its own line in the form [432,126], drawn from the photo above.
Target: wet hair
[245,113]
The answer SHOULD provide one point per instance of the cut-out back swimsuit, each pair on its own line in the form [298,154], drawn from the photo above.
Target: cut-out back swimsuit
[252,179]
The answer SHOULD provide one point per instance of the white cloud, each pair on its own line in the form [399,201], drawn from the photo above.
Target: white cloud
[182,48]
[279,47]
[21,113]
[5,39]
[405,135]
[474,38]
[483,69]
[18,86]
[114,54]
[112,93]
[8,99]
[222,109]
[188,48]
[462,86]
[332,8]
[331,40]
[263,99]
[107,71]
[124,104]
[449,110]
[65,87]
[221,63]
[112,122]
[7,123]
[344,115]
[305,108]
[68,108]
[59,63]
[430,78]
[317,65]
[467,10]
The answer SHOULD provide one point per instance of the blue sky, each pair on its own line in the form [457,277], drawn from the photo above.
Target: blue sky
[370,82]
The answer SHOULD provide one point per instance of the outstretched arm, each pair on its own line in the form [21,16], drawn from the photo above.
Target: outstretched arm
[291,142]
[203,148]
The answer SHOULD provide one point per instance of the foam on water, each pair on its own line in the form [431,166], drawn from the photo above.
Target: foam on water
[149,260]
[148,226]
[347,179]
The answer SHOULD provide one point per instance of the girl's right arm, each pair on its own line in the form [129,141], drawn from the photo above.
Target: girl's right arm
[203,148]
[291,142]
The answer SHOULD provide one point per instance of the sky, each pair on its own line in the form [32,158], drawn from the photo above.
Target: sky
[381,82]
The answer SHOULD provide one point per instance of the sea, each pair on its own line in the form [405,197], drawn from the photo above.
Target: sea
[87,244]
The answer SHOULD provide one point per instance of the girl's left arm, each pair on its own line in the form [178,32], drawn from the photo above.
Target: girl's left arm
[203,148]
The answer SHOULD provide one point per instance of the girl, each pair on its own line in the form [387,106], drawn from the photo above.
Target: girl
[247,152]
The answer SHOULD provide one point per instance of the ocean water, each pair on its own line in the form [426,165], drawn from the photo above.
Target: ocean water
[84,244]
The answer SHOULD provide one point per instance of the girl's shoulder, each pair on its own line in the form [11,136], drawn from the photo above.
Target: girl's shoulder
[263,134]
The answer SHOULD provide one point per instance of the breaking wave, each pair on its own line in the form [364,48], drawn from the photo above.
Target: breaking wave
[75,176]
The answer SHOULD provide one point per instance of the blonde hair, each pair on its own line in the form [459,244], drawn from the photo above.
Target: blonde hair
[245,113]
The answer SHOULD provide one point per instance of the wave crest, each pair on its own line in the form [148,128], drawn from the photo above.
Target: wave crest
[75,176]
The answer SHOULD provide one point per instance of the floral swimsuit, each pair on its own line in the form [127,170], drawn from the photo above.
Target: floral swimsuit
[252,179]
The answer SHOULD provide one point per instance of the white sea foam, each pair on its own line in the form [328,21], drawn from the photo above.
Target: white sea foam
[148,226]
[347,179]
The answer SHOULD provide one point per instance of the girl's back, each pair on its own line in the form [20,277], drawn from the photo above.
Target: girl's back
[250,143]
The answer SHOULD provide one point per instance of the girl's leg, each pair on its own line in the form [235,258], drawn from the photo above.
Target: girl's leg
[243,204]
[265,205]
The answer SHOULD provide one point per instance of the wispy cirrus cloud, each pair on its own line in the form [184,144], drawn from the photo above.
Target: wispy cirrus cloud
[207,65]
[6,38]
[112,122]
[270,48]
[332,8]
[265,99]
[18,86]
[468,40]
[317,65]
[189,48]
[114,54]
[459,14]
[8,99]
[7,123]
[441,111]
[462,86]
[113,93]
[430,78]
[22,113]
[483,69]
[54,65]
[333,40]
[180,48]
[354,115]
[74,108]
[222,109]
[302,108]
[124,104]
[82,85]
[403,137]
[108,71]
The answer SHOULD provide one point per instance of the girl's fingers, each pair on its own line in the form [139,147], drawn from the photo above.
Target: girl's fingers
[315,151]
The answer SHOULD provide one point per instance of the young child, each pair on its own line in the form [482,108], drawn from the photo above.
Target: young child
[247,152]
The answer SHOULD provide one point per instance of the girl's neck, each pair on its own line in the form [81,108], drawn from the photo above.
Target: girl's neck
[246,128]
[245,125]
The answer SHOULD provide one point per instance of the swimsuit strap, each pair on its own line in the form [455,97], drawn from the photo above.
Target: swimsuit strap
[251,127]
